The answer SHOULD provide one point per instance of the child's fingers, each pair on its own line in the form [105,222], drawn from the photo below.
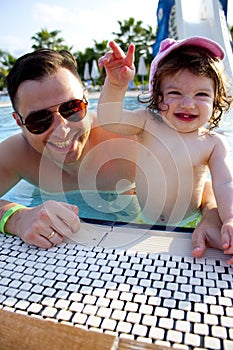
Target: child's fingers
[230,261]
[226,238]
[118,52]
[227,242]
[130,55]
[102,61]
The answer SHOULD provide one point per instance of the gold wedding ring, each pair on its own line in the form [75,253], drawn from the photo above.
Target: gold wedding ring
[51,235]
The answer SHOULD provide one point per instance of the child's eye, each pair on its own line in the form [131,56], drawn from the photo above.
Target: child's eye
[203,94]
[173,92]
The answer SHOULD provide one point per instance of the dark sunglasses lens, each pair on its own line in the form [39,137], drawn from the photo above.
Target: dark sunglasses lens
[39,122]
[74,110]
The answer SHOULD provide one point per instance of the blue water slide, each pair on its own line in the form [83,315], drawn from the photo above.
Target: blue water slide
[208,19]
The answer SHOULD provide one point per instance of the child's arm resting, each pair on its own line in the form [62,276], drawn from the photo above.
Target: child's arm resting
[222,178]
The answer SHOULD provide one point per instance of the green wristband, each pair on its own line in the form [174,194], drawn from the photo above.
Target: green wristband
[7,215]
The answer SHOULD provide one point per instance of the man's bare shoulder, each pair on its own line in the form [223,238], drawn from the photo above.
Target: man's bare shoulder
[16,148]
[15,141]
[17,160]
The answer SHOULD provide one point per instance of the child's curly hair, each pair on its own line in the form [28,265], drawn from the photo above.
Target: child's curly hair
[199,62]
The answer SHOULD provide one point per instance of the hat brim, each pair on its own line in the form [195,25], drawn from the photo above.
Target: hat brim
[169,45]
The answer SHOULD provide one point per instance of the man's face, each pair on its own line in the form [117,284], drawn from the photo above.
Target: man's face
[64,140]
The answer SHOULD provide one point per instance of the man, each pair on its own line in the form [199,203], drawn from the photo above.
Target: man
[62,148]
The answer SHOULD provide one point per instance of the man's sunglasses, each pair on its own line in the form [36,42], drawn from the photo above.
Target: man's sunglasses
[40,121]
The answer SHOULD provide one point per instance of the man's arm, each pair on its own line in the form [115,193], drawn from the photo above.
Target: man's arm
[32,225]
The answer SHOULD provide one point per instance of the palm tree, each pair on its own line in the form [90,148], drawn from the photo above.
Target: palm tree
[132,31]
[7,60]
[89,55]
[50,40]
[231,32]
[6,63]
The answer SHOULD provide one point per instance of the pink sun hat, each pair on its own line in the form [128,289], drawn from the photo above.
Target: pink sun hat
[168,45]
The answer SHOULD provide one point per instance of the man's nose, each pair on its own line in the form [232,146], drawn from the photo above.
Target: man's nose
[60,123]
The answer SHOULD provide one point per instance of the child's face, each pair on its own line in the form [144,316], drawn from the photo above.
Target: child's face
[188,100]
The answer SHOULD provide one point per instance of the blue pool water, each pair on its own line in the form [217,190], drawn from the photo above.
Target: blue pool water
[105,206]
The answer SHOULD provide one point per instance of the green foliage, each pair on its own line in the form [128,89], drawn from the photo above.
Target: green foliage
[89,55]
[231,32]
[134,32]
[130,31]
[6,63]
[50,40]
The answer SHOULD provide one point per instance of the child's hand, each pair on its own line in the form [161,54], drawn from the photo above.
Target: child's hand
[119,66]
[227,238]
[207,234]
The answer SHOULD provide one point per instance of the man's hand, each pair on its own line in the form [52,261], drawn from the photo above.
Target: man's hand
[45,225]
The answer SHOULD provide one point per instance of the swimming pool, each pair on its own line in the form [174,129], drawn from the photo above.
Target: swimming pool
[104,206]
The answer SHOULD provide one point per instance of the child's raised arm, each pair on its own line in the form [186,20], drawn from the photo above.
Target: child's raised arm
[120,70]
